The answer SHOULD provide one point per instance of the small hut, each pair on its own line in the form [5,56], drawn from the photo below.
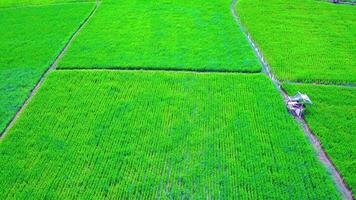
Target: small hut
[297,104]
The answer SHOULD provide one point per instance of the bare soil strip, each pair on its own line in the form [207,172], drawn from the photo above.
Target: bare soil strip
[52,67]
[338,180]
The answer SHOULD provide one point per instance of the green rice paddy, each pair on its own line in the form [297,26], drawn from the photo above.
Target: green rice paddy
[132,135]
[304,40]
[332,119]
[165,34]
[166,99]
[31,38]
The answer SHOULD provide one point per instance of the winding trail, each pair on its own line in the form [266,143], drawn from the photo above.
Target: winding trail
[51,68]
[337,178]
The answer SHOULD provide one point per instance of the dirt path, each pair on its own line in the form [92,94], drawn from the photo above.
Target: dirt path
[51,68]
[338,180]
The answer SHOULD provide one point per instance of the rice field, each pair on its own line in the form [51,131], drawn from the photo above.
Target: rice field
[332,119]
[167,100]
[164,34]
[130,135]
[304,40]
[31,38]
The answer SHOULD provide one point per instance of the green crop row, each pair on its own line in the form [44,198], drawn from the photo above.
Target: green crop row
[133,135]
[332,118]
[304,40]
[31,38]
[163,34]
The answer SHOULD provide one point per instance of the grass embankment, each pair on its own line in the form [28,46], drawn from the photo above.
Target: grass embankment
[332,118]
[304,40]
[31,38]
[130,135]
[191,35]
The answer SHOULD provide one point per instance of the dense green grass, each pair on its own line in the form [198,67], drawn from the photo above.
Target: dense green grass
[31,38]
[332,118]
[17,3]
[163,34]
[304,40]
[132,135]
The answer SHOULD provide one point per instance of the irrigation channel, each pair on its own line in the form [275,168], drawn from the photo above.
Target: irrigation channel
[338,180]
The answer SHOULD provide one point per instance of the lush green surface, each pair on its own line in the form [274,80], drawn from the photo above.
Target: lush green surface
[332,118]
[163,34]
[17,3]
[132,135]
[304,40]
[31,38]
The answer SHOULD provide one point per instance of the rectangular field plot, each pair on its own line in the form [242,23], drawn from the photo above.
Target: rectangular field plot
[132,135]
[304,40]
[31,38]
[163,34]
[332,118]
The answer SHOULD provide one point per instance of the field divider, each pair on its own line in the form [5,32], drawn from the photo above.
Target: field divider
[51,68]
[343,3]
[322,156]
[349,85]
[75,34]
[138,69]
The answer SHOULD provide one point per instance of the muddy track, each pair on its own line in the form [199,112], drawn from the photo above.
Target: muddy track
[337,178]
[51,68]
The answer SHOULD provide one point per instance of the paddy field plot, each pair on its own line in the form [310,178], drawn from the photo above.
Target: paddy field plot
[163,34]
[332,119]
[31,38]
[124,134]
[304,40]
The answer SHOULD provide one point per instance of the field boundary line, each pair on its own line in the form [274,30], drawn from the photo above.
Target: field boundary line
[47,72]
[44,5]
[343,3]
[75,34]
[346,85]
[138,69]
[322,156]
